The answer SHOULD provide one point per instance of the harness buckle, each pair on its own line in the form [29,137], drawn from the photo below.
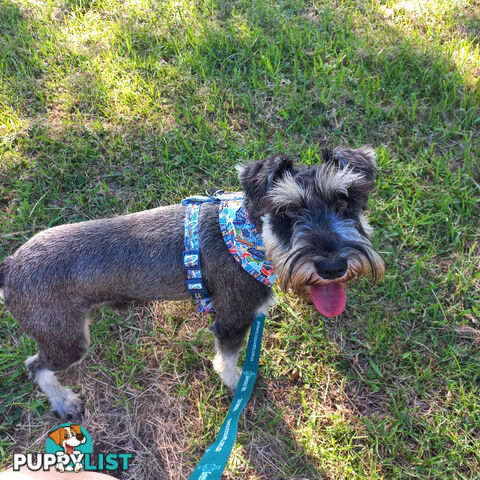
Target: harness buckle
[196,288]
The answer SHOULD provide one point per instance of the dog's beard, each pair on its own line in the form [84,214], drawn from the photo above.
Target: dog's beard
[295,267]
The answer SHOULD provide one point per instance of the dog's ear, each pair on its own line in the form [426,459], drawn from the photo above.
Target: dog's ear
[361,160]
[57,435]
[258,177]
[76,428]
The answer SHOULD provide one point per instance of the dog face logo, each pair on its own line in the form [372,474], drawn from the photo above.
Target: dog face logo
[68,437]
[69,442]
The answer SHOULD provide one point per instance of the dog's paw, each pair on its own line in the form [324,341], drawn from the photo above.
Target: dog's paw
[226,367]
[68,405]
[234,378]
[231,377]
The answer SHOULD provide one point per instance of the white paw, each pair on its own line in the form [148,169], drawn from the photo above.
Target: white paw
[231,378]
[226,367]
[63,400]
[67,404]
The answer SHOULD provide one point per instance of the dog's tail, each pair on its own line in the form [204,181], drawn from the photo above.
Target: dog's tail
[3,274]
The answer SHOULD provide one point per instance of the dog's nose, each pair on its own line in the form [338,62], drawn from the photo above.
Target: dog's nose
[331,268]
[80,436]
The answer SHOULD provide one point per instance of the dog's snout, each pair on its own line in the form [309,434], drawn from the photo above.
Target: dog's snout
[331,268]
[79,436]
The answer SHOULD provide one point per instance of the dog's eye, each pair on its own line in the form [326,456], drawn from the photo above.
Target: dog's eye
[291,213]
[342,204]
[66,435]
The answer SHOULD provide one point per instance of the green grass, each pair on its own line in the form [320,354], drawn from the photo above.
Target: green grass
[108,107]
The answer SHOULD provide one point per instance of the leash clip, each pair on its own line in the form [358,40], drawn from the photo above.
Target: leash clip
[214,196]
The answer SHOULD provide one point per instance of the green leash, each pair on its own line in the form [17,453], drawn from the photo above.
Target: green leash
[215,459]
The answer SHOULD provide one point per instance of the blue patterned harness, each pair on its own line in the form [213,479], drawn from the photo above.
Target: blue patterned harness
[240,235]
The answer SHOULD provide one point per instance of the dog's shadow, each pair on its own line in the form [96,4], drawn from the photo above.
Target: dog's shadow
[149,390]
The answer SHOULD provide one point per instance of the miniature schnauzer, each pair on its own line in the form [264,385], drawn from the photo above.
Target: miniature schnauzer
[311,221]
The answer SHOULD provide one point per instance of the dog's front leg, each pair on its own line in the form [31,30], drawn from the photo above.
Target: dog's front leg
[230,328]
[226,357]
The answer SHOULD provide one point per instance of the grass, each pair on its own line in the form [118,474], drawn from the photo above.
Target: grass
[108,107]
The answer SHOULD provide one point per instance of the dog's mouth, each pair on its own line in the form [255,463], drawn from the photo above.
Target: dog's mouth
[329,299]
[328,296]
[69,448]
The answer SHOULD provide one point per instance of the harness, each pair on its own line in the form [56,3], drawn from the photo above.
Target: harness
[240,236]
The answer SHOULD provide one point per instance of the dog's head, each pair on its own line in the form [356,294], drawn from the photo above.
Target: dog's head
[68,437]
[312,221]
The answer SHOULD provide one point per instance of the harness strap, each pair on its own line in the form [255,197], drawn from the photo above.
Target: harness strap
[191,256]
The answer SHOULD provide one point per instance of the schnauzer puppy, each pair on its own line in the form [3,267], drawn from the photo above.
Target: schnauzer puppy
[311,221]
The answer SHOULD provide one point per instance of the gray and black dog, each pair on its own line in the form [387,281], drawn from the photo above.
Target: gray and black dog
[312,225]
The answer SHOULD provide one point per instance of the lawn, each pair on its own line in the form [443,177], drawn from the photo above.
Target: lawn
[109,107]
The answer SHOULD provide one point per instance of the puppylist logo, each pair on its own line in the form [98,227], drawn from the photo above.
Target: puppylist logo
[69,448]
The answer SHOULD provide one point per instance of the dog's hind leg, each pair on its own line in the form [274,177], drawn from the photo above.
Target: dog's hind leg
[58,351]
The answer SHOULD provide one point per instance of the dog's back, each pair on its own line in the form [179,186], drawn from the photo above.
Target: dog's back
[101,260]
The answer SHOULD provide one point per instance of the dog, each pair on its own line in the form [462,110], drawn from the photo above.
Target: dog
[310,218]
[68,438]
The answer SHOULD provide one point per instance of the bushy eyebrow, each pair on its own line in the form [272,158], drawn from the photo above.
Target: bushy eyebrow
[332,182]
[287,192]
[328,183]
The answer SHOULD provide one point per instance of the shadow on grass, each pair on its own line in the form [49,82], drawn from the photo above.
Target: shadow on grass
[238,84]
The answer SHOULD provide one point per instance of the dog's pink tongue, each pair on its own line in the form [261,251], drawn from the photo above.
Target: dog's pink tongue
[330,300]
